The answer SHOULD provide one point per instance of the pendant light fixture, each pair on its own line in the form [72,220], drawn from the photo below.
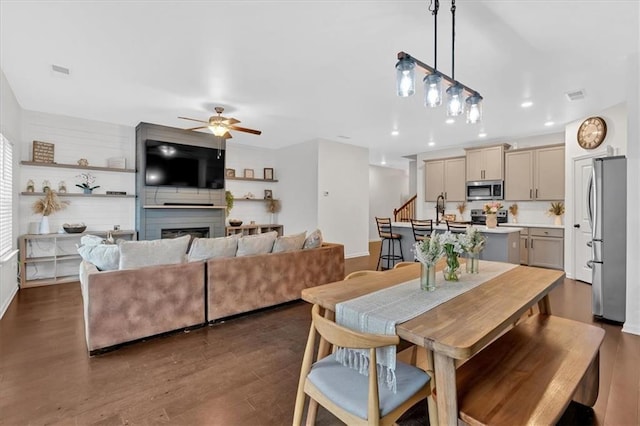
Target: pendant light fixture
[405,77]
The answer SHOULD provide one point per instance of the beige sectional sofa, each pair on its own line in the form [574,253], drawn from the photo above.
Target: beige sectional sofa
[130,304]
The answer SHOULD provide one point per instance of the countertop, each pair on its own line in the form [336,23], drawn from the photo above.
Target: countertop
[502,229]
[532,225]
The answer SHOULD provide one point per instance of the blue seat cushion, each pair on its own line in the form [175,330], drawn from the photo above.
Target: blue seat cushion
[349,389]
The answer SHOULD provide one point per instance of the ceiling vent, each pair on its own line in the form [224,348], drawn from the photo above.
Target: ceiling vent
[60,70]
[576,95]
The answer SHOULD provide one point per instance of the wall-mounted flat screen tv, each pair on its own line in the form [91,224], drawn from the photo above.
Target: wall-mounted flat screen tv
[187,166]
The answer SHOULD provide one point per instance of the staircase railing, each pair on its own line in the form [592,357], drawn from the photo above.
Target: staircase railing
[407,211]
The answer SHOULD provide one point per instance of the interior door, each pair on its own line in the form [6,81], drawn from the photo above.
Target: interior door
[582,228]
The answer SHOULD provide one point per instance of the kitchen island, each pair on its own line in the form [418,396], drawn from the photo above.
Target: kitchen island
[502,245]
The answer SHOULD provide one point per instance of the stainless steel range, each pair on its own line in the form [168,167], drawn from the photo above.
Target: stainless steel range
[478,217]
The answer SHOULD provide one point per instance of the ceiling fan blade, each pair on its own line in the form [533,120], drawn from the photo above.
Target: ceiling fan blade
[231,121]
[197,128]
[227,135]
[193,119]
[244,129]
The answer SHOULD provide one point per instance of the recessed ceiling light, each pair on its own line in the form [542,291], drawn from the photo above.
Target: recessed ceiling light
[549,123]
[383,163]
[526,104]
[450,121]
[431,143]
[482,135]
[395,133]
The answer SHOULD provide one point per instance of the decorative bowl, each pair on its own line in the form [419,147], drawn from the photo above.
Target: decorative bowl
[235,222]
[74,228]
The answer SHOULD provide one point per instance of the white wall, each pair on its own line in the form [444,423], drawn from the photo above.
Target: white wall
[343,205]
[76,138]
[10,127]
[297,172]
[388,190]
[616,119]
[239,157]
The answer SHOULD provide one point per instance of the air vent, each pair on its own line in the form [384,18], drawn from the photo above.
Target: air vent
[576,95]
[61,70]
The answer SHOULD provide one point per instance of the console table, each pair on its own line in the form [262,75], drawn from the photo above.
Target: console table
[254,229]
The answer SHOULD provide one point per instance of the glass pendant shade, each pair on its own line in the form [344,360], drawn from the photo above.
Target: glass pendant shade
[406,77]
[432,90]
[455,103]
[474,108]
[218,129]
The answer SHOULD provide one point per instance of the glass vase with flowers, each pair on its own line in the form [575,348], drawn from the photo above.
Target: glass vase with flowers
[453,248]
[473,242]
[428,252]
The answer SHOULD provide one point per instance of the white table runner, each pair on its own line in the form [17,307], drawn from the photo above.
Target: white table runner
[379,312]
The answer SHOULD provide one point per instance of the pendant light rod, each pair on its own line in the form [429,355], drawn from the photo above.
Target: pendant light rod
[434,12]
[453,38]
[431,70]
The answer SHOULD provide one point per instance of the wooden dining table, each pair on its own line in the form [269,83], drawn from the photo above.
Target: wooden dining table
[459,328]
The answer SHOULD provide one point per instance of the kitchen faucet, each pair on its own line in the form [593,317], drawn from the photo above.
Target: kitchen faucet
[439,208]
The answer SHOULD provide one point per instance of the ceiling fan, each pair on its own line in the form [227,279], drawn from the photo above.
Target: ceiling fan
[220,125]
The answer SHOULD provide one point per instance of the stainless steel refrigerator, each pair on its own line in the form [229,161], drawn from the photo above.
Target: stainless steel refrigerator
[607,207]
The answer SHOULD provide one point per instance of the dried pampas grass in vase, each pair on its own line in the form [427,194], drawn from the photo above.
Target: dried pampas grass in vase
[46,205]
[513,211]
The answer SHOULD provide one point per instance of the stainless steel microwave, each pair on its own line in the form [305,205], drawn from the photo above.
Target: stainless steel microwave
[485,190]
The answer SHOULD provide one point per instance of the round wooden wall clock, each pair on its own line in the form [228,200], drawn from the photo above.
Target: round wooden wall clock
[592,132]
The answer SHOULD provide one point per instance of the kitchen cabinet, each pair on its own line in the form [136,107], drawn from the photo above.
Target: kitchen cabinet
[485,163]
[445,177]
[543,247]
[535,174]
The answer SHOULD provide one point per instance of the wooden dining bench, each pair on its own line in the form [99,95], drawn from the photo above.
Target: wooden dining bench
[530,374]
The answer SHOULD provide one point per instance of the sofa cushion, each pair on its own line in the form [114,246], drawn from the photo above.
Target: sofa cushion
[289,243]
[137,254]
[106,257]
[256,244]
[314,240]
[91,240]
[209,248]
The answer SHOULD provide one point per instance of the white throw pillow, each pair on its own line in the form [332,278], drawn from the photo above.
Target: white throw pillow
[256,244]
[137,254]
[106,257]
[209,248]
[289,243]
[314,240]
[91,240]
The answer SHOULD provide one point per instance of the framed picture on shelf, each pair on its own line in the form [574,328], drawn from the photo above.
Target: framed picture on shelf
[230,173]
[268,194]
[248,173]
[268,173]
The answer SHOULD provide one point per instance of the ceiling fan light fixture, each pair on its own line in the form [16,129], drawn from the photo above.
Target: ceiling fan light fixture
[406,77]
[474,108]
[432,90]
[218,129]
[455,104]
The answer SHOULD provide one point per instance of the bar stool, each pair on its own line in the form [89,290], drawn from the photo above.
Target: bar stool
[457,227]
[422,229]
[385,232]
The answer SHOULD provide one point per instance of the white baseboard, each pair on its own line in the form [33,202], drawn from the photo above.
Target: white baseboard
[352,255]
[7,302]
[631,328]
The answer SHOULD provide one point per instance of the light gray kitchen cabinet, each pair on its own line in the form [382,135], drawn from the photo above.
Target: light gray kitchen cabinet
[535,174]
[445,177]
[486,163]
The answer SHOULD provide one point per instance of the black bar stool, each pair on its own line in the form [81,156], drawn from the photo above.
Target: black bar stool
[422,230]
[385,232]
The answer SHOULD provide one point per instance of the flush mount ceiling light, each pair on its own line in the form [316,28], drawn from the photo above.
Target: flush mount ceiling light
[406,75]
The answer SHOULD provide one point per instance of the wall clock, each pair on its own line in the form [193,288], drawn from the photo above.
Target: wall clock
[592,132]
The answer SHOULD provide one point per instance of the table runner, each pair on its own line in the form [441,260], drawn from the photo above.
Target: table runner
[380,311]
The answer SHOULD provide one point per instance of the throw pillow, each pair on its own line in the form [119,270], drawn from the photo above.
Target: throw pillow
[106,257]
[137,254]
[289,243]
[91,240]
[314,240]
[256,244]
[209,248]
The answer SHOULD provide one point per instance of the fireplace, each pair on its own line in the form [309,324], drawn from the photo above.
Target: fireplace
[179,232]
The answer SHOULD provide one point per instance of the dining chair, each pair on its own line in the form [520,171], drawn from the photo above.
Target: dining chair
[361,273]
[353,397]
[386,234]
[421,229]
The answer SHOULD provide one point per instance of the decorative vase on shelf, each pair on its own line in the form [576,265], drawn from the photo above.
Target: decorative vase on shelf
[492,220]
[427,277]
[557,220]
[452,270]
[473,263]
[87,190]
[43,227]
[514,218]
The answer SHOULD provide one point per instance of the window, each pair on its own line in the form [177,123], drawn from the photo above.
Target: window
[6,195]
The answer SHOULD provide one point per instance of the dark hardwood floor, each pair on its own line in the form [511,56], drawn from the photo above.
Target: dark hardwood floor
[240,372]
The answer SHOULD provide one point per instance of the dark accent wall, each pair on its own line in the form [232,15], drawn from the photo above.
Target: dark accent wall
[151,218]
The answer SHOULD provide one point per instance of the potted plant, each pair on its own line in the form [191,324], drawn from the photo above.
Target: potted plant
[87,181]
[462,207]
[46,205]
[273,207]
[513,210]
[228,198]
